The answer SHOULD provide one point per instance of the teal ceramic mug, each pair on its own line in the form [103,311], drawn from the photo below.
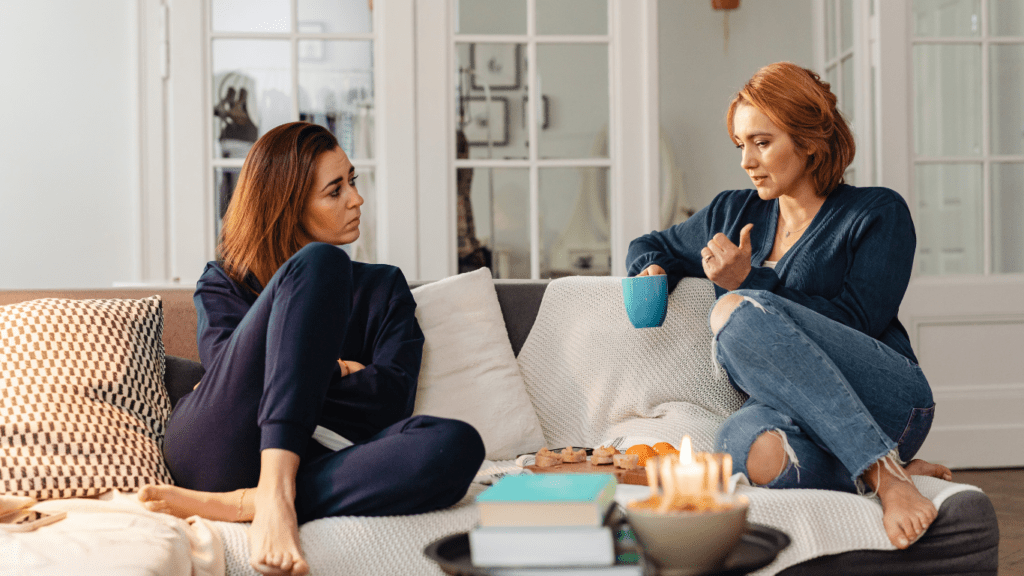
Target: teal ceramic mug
[646,300]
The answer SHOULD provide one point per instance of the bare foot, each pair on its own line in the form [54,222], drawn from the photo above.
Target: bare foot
[234,506]
[925,468]
[274,536]
[906,514]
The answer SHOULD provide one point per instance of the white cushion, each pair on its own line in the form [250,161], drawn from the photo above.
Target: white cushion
[469,372]
[82,400]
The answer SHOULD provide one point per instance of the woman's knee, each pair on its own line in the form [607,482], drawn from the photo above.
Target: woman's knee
[767,458]
[328,263]
[728,303]
[722,310]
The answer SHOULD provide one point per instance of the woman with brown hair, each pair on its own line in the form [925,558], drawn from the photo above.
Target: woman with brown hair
[810,273]
[304,349]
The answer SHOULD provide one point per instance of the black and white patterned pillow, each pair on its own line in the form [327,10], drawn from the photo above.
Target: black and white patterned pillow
[83,407]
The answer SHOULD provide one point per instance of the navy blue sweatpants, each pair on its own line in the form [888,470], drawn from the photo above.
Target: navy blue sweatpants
[266,389]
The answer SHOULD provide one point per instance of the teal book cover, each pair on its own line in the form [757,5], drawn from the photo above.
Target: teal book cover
[554,488]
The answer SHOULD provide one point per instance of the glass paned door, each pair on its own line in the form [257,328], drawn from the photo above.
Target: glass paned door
[848,68]
[532,162]
[968,93]
[279,61]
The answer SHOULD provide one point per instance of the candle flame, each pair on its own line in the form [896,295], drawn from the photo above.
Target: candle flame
[686,450]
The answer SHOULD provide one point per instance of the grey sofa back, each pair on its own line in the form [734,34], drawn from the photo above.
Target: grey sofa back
[519,300]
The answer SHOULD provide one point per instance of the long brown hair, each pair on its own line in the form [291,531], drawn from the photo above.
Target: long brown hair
[796,100]
[262,224]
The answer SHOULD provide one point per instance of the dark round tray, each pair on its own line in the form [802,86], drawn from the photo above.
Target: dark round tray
[758,547]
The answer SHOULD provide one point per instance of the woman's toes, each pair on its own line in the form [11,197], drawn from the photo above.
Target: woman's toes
[266,569]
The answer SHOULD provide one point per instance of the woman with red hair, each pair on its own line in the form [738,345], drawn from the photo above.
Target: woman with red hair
[810,273]
[311,363]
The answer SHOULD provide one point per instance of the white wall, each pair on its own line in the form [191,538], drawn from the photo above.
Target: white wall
[68,143]
[699,75]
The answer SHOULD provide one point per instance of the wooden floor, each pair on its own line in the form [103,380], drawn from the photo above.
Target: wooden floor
[1005,488]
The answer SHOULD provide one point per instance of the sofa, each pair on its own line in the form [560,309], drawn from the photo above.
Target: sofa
[963,539]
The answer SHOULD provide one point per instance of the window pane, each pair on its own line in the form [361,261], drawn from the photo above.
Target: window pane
[251,15]
[493,219]
[224,180]
[575,226]
[1006,17]
[947,100]
[490,17]
[846,21]
[572,17]
[1007,215]
[492,123]
[252,91]
[335,16]
[1007,99]
[933,18]
[364,249]
[573,78]
[336,91]
[949,219]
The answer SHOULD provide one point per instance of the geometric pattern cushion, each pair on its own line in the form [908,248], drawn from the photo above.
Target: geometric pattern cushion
[83,407]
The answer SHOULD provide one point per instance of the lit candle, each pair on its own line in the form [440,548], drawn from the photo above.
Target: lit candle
[668,482]
[652,476]
[726,471]
[689,475]
[711,477]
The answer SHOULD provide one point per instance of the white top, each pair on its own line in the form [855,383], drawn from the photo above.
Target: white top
[770,263]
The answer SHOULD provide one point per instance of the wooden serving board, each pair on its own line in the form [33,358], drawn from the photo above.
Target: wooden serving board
[637,477]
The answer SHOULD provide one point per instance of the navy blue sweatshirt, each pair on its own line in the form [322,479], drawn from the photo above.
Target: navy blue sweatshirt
[382,334]
[852,264]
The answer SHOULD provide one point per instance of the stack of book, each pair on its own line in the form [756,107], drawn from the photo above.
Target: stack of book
[535,524]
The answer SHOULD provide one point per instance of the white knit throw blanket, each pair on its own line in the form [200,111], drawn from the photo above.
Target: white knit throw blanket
[593,377]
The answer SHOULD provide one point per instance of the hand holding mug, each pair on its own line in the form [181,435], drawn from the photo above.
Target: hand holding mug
[653,270]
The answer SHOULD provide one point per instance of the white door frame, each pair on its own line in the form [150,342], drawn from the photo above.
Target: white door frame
[953,321]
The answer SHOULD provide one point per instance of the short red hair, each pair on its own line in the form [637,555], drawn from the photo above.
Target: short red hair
[796,100]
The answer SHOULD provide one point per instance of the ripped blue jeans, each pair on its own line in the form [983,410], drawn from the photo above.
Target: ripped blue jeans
[840,399]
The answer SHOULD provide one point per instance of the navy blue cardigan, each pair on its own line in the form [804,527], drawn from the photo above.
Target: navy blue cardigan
[852,264]
[382,334]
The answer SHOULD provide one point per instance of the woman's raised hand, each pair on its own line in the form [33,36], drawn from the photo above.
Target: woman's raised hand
[653,270]
[725,263]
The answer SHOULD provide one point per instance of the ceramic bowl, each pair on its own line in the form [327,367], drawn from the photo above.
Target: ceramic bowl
[687,543]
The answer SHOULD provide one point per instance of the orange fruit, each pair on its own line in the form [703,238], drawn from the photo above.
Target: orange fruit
[664,449]
[643,452]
